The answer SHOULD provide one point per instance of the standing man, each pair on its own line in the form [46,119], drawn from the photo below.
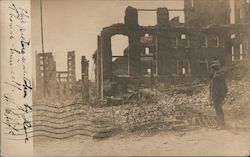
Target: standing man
[218,92]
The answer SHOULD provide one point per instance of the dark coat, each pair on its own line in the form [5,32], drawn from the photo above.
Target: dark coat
[218,89]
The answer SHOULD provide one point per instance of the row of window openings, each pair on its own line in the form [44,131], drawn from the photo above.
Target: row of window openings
[241,53]
[64,75]
[46,62]
[58,75]
[183,41]
[184,36]
[213,40]
[183,68]
[46,68]
[70,64]
[41,68]
[180,69]
[63,80]
[241,50]
[186,70]
[46,57]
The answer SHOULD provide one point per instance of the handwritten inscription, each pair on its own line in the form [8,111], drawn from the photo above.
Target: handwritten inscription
[17,110]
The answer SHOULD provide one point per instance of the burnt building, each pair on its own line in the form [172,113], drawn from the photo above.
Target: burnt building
[57,84]
[62,84]
[169,52]
[45,75]
[239,36]
[85,79]
[71,71]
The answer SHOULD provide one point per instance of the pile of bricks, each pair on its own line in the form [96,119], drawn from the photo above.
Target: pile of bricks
[172,111]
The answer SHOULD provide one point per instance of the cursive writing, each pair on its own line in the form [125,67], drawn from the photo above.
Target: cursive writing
[16,100]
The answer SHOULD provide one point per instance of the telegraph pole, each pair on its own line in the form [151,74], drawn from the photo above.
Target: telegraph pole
[44,71]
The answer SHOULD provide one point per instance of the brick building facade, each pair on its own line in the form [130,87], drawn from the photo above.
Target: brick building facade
[172,52]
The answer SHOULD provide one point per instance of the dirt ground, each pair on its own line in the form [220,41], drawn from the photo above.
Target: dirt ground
[199,142]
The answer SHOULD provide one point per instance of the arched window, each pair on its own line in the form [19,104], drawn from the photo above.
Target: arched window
[120,52]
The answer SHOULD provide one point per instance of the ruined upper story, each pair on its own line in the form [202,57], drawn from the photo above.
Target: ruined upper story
[131,21]
[198,13]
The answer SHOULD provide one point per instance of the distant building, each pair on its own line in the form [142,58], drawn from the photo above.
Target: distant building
[240,39]
[45,75]
[85,79]
[71,71]
[57,84]
[62,84]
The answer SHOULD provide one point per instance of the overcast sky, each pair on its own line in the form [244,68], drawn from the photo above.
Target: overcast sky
[74,25]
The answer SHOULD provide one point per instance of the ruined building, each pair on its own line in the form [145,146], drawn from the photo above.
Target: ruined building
[62,84]
[71,71]
[57,84]
[45,75]
[240,39]
[85,79]
[171,52]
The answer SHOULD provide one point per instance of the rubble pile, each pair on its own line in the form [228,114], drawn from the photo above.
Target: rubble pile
[174,109]
[181,109]
[237,103]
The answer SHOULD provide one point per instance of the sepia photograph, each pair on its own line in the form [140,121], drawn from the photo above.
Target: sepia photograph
[137,78]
